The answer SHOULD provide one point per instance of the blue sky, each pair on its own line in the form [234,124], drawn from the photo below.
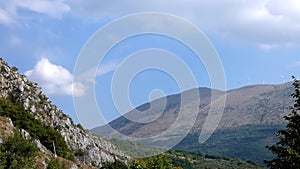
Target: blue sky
[257,41]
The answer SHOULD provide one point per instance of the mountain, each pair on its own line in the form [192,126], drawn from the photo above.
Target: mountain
[26,110]
[251,116]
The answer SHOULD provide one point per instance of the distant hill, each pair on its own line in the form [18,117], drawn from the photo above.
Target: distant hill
[251,117]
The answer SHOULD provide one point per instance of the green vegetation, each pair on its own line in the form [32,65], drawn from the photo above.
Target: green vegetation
[79,126]
[115,165]
[22,119]
[287,149]
[17,152]
[195,160]
[246,142]
[187,160]
[55,164]
[160,161]
[134,149]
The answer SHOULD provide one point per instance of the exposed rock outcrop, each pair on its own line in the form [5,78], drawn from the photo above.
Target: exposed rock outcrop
[6,128]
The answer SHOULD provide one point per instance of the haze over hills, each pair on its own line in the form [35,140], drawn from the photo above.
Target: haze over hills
[251,117]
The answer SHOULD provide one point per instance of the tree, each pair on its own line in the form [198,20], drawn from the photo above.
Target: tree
[160,161]
[138,164]
[287,149]
[115,165]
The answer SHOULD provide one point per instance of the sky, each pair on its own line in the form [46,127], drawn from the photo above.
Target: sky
[257,42]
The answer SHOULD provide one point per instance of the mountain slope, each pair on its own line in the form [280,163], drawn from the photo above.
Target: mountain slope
[257,108]
[18,89]
[257,104]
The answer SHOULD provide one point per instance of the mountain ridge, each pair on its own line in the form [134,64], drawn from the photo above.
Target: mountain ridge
[252,93]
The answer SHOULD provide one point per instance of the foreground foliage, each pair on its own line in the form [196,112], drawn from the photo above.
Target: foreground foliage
[55,164]
[287,148]
[17,152]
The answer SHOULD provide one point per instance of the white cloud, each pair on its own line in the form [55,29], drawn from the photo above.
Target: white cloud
[88,77]
[53,8]
[54,79]
[267,47]
[107,67]
[9,9]
[265,22]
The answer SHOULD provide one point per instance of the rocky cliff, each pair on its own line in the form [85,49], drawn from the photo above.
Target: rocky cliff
[19,89]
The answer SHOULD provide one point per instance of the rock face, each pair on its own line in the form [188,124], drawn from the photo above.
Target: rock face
[6,128]
[18,88]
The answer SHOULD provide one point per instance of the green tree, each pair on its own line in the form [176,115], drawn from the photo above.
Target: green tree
[115,165]
[17,152]
[138,164]
[160,161]
[287,149]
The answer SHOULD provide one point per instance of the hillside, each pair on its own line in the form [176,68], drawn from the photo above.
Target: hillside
[185,159]
[251,117]
[25,109]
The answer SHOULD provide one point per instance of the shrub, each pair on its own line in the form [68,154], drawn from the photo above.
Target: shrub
[115,165]
[17,152]
[55,164]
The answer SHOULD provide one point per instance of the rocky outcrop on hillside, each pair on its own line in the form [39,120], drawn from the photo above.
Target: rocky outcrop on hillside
[19,89]
[6,128]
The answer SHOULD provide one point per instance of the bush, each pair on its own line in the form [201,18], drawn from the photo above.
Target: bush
[17,152]
[55,164]
[79,126]
[115,165]
[159,162]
